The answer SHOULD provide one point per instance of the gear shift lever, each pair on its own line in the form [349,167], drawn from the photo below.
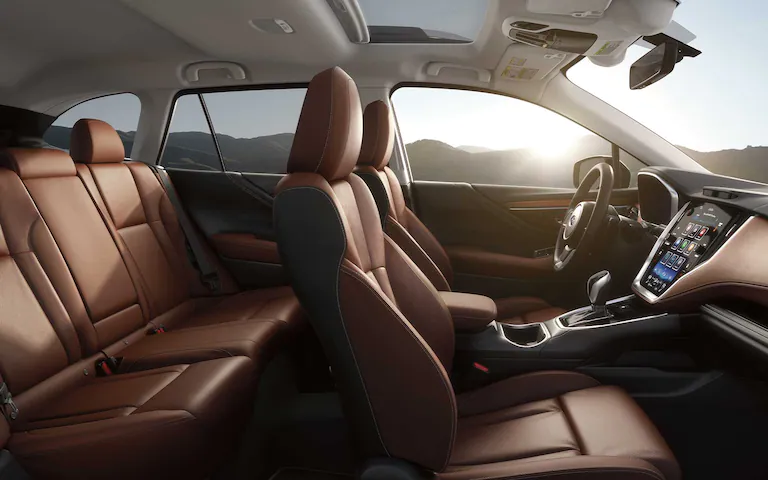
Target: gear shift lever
[597,289]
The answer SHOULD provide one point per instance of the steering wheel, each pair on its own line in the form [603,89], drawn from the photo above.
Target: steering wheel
[583,218]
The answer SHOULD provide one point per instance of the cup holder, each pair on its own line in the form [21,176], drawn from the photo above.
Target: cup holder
[525,335]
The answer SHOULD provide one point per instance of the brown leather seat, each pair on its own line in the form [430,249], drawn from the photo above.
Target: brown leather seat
[390,338]
[71,423]
[129,269]
[405,228]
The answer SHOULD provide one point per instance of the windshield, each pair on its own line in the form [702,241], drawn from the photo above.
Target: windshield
[713,107]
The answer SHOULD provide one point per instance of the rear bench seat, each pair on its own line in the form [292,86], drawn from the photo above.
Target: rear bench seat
[77,283]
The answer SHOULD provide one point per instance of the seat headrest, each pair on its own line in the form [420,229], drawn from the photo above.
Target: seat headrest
[378,135]
[330,128]
[94,141]
[38,162]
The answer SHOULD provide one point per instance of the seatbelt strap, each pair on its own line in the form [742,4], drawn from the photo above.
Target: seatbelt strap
[208,273]
[9,409]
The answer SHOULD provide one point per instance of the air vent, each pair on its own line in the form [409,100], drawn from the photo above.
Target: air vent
[724,194]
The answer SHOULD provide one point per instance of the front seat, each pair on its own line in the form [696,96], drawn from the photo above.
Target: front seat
[405,228]
[390,339]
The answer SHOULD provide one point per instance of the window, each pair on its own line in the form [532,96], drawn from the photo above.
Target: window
[712,107]
[121,110]
[189,144]
[254,130]
[465,136]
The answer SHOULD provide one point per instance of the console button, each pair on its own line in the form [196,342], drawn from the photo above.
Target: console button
[703,231]
[695,230]
[691,247]
[666,257]
[678,263]
[684,245]
[676,241]
[672,261]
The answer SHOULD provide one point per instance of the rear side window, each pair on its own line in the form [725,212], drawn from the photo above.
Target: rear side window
[121,110]
[253,130]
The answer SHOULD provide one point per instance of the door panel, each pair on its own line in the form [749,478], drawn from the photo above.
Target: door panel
[234,212]
[499,238]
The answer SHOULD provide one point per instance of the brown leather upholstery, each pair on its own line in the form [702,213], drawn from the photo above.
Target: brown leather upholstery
[72,423]
[94,141]
[378,135]
[556,418]
[390,341]
[324,147]
[471,313]
[405,228]
[522,310]
[91,259]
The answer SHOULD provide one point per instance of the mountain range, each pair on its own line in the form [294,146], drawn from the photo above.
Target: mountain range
[429,159]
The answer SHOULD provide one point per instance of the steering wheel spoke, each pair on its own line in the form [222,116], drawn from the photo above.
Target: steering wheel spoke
[583,218]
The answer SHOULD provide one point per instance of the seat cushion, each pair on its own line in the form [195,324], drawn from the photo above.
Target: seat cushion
[554,417]
[523,310]
[253,338]
[140,425]
[279,304]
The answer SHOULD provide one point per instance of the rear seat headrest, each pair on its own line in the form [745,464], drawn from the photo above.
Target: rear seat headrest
[38,162]
[330,128]
[378,135]
[94,141]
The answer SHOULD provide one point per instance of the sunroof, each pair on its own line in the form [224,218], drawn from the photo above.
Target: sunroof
[424,21]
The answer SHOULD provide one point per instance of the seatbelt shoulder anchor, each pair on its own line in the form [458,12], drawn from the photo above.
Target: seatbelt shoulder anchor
[9,408]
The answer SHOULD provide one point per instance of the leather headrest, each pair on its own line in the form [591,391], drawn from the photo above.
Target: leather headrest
[38,162]
[378,135]
[94,141]
[330,129]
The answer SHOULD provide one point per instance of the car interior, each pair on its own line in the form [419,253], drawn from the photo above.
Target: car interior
[233,247]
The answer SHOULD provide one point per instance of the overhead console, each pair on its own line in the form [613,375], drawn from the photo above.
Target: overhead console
[599,29]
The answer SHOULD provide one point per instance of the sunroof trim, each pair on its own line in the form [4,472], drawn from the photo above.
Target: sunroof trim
[425,21]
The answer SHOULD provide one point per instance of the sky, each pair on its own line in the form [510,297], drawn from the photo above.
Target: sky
[718,100]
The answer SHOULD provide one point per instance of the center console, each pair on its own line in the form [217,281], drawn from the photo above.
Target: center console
[694,235]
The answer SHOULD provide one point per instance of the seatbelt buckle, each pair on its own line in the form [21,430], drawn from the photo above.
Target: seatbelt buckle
[7,405]
[159,329]
[107,366]
[211,281]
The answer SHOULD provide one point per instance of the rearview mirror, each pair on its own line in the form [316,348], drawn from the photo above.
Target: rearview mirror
[582,167]
[654,65]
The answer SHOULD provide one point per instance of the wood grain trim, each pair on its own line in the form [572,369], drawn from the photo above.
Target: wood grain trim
[545,203]
[245,246]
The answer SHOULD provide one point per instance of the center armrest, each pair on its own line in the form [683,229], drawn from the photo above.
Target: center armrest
[470,312]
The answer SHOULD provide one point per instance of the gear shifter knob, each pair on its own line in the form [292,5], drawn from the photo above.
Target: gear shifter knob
[597,289]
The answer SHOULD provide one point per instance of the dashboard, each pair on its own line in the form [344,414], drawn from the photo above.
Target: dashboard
[693,236]
[713,241]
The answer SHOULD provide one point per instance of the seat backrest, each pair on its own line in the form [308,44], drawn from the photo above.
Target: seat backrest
[102,302]
[38,341]
[400,223]
[140,217]
[387,335]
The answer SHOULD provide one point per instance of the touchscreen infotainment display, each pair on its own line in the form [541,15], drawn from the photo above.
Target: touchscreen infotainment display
[685,245]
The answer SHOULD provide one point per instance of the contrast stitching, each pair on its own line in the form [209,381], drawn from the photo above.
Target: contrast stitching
[421,343]
[338,304]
